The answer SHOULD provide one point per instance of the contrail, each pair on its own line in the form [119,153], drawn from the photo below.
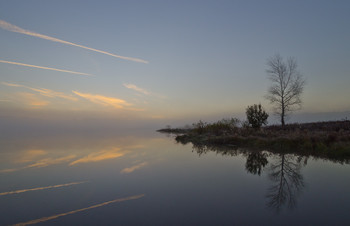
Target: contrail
[41,188]
[78,210]
[13,28]
[41,67]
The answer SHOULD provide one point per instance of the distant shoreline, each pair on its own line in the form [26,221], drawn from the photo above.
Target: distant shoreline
[329,139]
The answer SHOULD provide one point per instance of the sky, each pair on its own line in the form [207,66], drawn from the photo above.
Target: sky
[144,62]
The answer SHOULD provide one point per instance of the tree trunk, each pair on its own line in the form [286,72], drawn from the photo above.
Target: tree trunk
[282,115]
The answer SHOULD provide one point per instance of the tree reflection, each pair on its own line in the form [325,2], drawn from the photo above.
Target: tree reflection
[222,150]
[284,172]
[287,182]
[256,161]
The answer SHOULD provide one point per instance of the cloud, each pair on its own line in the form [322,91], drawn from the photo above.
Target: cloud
[11,84]
[41,67]
[32,100]
[105,101]
[133,168]
[44,92]
[142,91]
[41,188]
[10,27]
[80,210]
[137,89]
[100,156]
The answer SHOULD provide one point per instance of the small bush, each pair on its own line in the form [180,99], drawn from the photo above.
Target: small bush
[256,116]
[199,127]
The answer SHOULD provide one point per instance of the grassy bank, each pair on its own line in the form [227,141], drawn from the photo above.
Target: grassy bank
[319,139]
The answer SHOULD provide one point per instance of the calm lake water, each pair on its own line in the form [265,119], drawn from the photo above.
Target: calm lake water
[148,179]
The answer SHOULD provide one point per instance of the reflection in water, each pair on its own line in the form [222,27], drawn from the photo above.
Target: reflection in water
[41,163]
[54,154]
[133,168]
[100,156]
[51,161]
[284,172]
[40,220]
[42,188]
[30,155]
[256,161]
[69,158]
[287,182]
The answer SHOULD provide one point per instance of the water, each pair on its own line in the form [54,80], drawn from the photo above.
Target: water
[148,179]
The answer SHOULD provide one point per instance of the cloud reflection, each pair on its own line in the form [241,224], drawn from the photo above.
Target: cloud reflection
[80,210]
[30,155]
[133,168]
[41,67]
[51,161]
[42,188]
[100,156]
[10,27]
[42,163]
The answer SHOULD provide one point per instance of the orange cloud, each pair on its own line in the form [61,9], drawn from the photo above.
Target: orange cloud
[100,156]
[44,92]
[13,28]
[11,84]
[103,100]
[41,67]
[32,100]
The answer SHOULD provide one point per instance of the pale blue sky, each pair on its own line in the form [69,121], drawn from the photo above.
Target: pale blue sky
[206,59]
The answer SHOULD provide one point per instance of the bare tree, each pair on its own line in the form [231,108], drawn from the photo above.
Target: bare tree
[287,85]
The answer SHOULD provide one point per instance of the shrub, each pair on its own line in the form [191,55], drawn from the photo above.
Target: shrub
[220,127]
[256,116]
[199,127]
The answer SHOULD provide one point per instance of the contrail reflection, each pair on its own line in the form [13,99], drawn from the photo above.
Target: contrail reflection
[42,188]
[13,28]
[41,67]
[79,210]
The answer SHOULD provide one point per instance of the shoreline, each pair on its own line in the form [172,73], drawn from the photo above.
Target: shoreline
[329,139]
